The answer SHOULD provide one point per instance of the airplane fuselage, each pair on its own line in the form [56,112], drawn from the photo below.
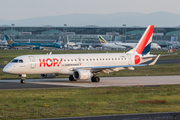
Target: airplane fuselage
[112,45]
[34,45]
[63,63]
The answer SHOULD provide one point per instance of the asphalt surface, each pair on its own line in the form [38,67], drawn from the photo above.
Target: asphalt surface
[142,116]
[104,82]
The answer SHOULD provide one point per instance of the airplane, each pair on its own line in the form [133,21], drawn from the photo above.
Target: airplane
[83,66]
[3,44]
[109,45]
[123,45]
[40,46]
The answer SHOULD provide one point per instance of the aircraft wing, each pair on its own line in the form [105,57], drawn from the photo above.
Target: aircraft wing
[101,68]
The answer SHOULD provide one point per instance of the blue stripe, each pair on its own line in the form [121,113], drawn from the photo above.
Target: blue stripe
[146,49]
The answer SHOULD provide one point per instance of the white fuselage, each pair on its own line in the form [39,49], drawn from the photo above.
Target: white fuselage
[127,45]
[64,63]
[112,45]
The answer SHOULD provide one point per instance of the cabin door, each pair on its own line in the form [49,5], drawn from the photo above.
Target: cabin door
[33,62]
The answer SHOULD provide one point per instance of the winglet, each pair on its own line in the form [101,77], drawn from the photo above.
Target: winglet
[155,60]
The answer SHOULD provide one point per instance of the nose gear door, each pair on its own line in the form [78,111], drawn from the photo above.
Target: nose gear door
[33,62]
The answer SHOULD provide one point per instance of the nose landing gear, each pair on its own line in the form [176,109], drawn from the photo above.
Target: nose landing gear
[23,78]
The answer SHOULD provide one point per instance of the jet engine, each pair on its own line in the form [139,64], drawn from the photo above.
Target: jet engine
[82,74]
[37,48]
[48,75]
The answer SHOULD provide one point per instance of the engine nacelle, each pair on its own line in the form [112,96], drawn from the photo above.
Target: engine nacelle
[48,75]
[82,74]
[37,48]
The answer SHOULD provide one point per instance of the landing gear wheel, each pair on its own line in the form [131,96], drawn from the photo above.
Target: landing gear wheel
[71,78]
[95,79]
[23,80]
[92,79]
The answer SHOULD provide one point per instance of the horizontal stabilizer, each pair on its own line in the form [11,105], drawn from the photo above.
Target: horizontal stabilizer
[155,60]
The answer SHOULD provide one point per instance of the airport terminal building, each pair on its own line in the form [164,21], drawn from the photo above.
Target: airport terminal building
[87,34]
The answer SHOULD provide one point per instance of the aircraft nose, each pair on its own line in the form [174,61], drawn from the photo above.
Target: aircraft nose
[7,69]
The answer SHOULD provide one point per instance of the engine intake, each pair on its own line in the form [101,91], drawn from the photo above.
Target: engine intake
[82,74]
[48,75]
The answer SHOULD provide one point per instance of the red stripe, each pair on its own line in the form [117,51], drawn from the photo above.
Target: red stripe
[145,40]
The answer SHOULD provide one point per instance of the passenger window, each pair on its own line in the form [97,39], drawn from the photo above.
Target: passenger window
[65,60]
[118,58]
[79,59]
[75,59]
[86,59]
[115,58]
[71,59]
[112,58]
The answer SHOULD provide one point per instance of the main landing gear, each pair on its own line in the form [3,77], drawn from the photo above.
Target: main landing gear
[23,78]
[71,78]
[95,79]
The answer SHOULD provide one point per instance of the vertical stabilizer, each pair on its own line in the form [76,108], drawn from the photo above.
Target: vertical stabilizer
[144,45]
[101,39]
[9,41]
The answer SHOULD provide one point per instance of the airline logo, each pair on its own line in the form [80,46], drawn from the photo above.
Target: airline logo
[101,40]
[8,40]
[145,40]
[137,59]
[50,62]
[54,62]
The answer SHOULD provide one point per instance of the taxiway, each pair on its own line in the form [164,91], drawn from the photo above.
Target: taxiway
[105,82]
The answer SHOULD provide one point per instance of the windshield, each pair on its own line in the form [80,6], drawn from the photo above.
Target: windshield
[17,61]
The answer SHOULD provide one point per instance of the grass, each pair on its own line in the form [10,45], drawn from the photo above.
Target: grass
[53,103]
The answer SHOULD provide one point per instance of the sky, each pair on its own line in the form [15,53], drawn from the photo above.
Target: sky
[22,9]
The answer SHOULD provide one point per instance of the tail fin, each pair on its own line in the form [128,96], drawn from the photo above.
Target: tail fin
[101,39]
[9,41]
[144,45]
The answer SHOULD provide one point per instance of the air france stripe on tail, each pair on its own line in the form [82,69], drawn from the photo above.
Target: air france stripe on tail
[144,45]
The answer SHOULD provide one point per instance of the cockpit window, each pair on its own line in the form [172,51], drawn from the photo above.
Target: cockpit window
[17,61]
[20,61]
